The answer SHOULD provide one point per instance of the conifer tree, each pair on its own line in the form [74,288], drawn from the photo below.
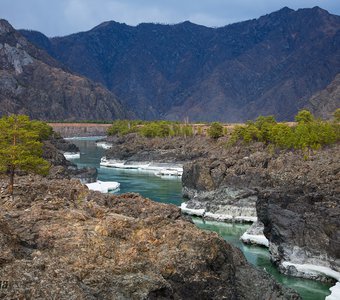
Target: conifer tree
[20,146]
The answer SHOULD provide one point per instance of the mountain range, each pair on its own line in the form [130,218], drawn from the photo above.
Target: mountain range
[273,65]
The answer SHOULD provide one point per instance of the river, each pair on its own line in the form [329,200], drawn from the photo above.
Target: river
[169,191]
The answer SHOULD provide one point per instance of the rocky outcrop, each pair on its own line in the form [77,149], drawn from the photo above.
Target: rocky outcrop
[269,66]
[133,147]
[60,240]
[224,186]
[53,150]
[33,83]
[297,200]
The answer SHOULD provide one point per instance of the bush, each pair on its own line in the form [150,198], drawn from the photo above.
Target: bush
[123,127]
[304,116]
[307,134]
[215,130]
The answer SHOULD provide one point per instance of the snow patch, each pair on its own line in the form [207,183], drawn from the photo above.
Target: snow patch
[159,169]
[72,155]
[314,271]
[229,218]
[255,239]
[335,292]
[192,212]
[213,216]
[103,186]
[104,145]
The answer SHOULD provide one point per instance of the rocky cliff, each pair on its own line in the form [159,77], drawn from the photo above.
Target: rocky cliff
[269,65]
[59,240]
[33,83]
[296,197]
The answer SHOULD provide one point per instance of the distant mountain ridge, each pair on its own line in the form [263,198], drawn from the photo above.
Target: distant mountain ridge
[270,65]
[33,83]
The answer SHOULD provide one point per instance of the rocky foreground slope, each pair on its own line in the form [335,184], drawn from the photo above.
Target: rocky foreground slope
[59,240]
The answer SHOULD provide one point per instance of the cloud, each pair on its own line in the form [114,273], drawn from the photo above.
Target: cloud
[60,17]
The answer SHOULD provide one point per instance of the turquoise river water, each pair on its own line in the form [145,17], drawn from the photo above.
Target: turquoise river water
[169,191]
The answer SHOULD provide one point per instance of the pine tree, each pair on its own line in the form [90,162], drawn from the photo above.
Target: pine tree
[20,146]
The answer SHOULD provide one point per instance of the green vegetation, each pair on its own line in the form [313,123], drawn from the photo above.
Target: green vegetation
[81,121]
[150,129]
[162,129]
[309,133]
[336,115]
[21,147]
[215,130]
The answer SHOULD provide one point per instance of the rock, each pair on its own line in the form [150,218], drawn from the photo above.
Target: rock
[58,239]
[223,204]
[53,150]
[297,199]
[133,147]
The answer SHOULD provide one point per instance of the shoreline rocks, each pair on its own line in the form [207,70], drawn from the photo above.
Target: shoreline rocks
[224,204]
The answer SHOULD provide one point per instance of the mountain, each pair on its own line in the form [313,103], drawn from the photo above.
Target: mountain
[33,83]
[270,65]
[325,102]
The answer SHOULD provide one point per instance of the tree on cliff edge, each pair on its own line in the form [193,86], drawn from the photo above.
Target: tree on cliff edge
[21,147]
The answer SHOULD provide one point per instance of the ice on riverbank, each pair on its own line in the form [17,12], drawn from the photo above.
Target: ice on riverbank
[315,271]
[159,169]
[192,212]
[103,186]
[254,235]
[335,292]
[85,138]
[201,212]
[72,155]
[104,145]
[255,239]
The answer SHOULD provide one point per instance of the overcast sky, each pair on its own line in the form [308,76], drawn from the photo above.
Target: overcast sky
[61,17]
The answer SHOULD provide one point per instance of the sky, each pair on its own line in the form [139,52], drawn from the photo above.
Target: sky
[62,17]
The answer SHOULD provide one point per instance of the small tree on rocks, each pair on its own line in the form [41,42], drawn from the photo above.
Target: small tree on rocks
[20,146]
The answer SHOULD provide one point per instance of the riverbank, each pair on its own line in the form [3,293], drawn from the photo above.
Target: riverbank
[231,183]
[169,191]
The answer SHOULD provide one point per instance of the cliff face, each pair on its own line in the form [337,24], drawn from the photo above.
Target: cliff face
[271,65]
[296,198]
[325,102]
[35,84]
[58,239]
